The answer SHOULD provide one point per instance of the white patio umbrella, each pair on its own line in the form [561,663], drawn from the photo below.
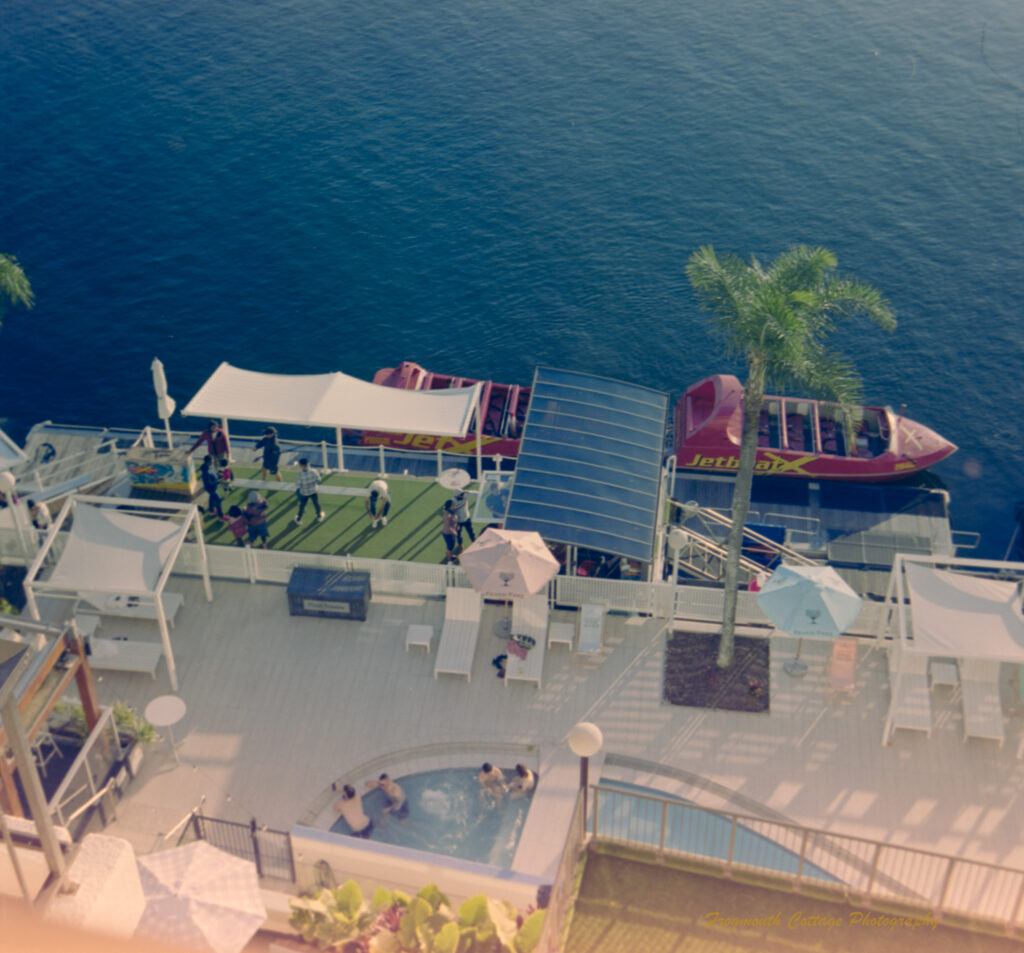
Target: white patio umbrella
[164,404]
[508,564]
[201,897]
[809,602]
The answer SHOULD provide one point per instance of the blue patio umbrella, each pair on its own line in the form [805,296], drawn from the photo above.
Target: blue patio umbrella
[812,602]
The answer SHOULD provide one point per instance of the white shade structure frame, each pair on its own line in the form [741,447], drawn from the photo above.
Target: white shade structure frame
[337,401]
[111,551]
[955,607]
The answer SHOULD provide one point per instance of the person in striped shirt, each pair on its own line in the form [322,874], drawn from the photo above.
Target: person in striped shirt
[306,482]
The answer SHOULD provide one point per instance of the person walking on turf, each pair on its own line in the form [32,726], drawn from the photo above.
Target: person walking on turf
[306,482]
[271,454]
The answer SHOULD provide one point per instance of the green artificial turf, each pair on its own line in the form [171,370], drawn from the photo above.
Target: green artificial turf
[413,533]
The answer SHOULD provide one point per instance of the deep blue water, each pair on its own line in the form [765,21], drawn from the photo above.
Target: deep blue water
[311,185]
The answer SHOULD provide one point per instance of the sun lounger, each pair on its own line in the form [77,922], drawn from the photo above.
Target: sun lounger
[462,611]
[529,618]
[980,699]
[911,704]
[591,629]
[842,670]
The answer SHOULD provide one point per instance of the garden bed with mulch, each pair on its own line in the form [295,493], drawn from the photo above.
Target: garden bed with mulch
[693,678]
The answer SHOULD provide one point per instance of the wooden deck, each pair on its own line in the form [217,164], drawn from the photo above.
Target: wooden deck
[279,707]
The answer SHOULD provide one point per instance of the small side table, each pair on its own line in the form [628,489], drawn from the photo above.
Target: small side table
[165,711]
[419,635]
[562,632]
[945,673]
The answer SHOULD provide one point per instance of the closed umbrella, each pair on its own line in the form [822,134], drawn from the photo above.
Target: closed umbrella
[201,897]
[808,602]
[508,564]
[164,404]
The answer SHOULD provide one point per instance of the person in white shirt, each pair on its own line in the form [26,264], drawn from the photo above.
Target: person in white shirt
[378,503]
[523,783]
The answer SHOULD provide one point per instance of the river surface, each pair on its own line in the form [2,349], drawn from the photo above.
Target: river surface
[309,185]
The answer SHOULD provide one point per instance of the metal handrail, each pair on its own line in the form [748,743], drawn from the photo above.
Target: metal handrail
[107,788]
[843,848]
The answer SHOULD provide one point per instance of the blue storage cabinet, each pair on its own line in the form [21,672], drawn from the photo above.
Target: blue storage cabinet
[328,593]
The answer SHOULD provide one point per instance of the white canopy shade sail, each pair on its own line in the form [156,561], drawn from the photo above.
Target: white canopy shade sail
[960,615]
[333,400]
[111,552]
[107,549]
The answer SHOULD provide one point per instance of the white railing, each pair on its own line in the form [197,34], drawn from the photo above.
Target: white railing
[855,867]
[102,749]
[70,472]
[663,600]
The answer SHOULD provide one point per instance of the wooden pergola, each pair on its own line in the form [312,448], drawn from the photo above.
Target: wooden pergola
[50,675]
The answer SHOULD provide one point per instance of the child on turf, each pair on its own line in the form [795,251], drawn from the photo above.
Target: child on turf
[238,525]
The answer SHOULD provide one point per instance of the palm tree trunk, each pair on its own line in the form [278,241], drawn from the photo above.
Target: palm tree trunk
[753,394]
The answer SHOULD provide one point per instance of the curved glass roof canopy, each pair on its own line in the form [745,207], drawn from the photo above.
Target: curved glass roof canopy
[589,465]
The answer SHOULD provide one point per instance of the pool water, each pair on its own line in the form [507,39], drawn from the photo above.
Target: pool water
[691,830]
[449,815]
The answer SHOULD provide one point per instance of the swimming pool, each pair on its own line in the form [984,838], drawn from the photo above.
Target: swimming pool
[449,815]
[690,830]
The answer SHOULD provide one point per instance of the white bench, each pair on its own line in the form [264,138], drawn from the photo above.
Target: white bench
[132,607]
[120,655]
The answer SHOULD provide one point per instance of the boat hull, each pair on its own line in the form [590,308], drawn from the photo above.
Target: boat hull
[501,418]
[799,437]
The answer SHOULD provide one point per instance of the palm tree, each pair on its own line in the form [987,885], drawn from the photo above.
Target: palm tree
[14,286]
[775,319]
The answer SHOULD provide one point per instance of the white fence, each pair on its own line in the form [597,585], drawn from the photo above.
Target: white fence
[663,600]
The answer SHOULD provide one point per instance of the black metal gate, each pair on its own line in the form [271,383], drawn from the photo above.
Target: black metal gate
[270,850]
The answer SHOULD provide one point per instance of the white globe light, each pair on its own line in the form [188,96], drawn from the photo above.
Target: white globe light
[585,739]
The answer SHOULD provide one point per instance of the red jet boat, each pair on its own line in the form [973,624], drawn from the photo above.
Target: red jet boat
[799,437]
[502,413]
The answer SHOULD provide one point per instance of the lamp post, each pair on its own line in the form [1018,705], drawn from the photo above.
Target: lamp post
[585,740]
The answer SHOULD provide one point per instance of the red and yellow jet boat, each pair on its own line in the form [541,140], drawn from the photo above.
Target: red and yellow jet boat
[800,437]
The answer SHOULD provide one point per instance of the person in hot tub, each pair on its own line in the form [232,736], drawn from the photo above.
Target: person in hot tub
[523,783]
[492,780]
[350,807]
[398,803]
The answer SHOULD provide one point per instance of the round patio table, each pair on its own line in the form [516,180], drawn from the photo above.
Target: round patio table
[165,711]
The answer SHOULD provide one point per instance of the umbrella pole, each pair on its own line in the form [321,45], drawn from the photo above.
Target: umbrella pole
[503,627]
[796,667]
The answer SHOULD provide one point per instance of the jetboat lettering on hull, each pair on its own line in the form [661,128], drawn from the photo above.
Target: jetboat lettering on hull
[502,413]
[799,437]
